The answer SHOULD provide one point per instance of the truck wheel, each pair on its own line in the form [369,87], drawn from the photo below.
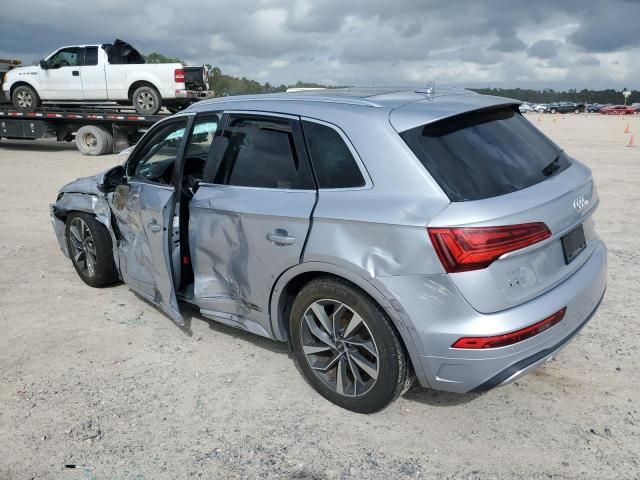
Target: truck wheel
[553,110]
[147,101]
[94,141]
[25,98]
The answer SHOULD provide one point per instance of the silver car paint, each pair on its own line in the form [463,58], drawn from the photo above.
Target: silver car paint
[235,264]
[376,237]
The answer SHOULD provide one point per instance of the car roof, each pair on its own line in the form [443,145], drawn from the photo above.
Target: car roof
[426,104]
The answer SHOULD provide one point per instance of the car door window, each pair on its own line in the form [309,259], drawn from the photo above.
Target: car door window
[90,56]
[157,156]
[331,158]
[198,149]
[261,152]
[67,57]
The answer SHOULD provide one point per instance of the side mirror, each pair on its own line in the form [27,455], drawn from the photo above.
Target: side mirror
[43,64]
[113,177]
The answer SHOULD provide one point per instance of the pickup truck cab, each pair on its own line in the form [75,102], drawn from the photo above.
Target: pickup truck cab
[114,72]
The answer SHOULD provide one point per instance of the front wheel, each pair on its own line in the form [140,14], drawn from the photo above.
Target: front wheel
[553,110]
[147,100]
[25,98]
[346,347]
[90,248]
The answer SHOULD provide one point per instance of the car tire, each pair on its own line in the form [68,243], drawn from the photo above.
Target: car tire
[90,249]
[365,344]
[25,97]
[92,140]
[146,100]
[553,110]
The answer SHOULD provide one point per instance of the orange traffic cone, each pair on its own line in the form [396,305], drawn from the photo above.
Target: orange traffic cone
[539,118]
[631,144]
[627,130]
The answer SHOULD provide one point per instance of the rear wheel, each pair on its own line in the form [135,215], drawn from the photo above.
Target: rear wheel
[553,110]
[25,98]
[90,248]
[346,346]
[92,140]
[147,100]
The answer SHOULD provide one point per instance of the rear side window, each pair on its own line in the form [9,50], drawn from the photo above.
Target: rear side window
[484,154]
[90,56]
[332,160]
[262,153]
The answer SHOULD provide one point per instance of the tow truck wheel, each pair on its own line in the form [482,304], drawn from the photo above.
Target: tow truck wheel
[25,98]
[147,101]
[94,141]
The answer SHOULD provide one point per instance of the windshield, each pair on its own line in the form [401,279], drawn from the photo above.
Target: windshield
[485,153]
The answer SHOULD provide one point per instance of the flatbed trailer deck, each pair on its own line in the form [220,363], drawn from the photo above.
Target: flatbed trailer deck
[96,131]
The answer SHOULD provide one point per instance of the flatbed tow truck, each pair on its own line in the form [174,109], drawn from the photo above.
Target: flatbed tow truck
[96,130]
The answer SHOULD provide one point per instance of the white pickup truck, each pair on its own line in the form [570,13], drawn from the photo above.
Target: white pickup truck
[114,72]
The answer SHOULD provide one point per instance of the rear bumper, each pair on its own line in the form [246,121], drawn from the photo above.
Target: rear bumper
[437,315]
[194,94]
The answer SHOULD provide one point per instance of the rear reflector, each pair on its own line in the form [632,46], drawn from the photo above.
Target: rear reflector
[510,338]
[178,75]
[461,249]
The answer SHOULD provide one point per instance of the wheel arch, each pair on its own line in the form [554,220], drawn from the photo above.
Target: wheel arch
[69,202]
[291,282]
[21,83]
[141,83]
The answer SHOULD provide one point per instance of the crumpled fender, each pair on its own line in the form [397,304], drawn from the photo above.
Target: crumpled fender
[82,195]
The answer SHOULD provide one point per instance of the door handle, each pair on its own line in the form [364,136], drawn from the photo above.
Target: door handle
[280,237]
[154,226]
[75,73]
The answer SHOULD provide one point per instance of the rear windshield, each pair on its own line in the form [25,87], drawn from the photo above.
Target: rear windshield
[485,153]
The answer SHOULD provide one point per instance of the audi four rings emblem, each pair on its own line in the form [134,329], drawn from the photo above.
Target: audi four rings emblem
[580,203]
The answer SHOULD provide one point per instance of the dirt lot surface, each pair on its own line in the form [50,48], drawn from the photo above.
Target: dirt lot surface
[101,380]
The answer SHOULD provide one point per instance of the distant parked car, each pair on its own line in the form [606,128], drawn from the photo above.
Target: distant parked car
[618,110]
[525,108]
[594,107]
[636,106]
[564,107]
[540,107]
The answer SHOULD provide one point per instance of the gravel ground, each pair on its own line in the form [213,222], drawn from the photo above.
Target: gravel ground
[99,379]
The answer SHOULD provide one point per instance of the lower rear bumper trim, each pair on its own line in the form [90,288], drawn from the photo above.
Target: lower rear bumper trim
[513,370]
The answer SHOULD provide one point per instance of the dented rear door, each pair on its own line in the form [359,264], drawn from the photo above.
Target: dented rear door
[250,219]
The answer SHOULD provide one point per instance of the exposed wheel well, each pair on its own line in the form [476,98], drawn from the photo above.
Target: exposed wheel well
[290,291]
[140,83]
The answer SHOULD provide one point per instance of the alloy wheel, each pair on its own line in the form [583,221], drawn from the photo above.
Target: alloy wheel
[83,247]
[146,101]
[25,100]
[339,347]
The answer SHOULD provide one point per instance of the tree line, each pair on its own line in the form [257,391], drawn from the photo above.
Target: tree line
[223,85]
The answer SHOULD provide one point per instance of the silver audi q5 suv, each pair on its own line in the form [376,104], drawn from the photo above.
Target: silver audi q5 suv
[386,235]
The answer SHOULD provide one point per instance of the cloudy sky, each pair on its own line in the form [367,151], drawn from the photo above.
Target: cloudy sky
[536,43]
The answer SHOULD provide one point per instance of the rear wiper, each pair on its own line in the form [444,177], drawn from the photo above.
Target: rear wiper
[552,167]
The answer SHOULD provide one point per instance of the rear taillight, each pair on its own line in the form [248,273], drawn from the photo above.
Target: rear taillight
[178,75]
[510,338]
[461,249]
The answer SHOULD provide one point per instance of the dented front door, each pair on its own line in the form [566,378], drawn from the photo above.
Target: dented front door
[144,209]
